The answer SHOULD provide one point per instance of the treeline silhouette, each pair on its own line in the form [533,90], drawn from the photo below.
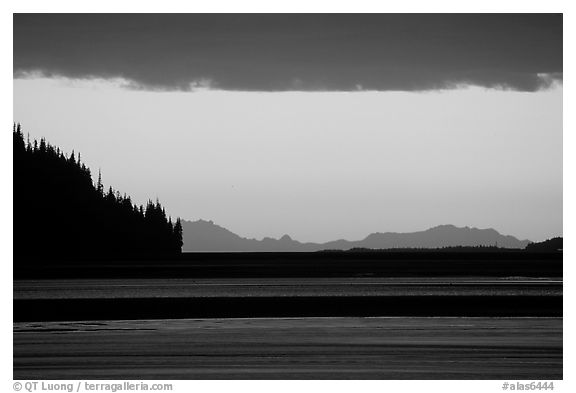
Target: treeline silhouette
[554,244]
[550,245]
[455,249]
[60,213]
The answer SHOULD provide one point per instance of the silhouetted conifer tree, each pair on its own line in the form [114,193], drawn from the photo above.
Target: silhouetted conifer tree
[178,234]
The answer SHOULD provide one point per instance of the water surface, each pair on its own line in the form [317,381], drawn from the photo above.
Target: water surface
[291,348]
[272,287]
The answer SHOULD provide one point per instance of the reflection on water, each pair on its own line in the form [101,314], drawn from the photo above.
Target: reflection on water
[291,348]
[146,288]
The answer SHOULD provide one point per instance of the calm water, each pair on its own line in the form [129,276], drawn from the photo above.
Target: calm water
[292,348]
[134,288]
[289,348]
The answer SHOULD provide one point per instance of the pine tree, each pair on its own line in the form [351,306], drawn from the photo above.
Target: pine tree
[178,235]
[99,186]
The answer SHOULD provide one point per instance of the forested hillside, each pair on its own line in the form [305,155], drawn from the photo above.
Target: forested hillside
[60,213]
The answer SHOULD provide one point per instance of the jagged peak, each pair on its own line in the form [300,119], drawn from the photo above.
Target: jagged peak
[446,227]
[206,224]
[468,228]
[202,221]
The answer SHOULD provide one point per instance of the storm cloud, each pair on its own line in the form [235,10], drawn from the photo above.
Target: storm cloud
[294,52]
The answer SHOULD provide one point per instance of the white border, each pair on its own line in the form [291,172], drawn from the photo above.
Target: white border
[564,6]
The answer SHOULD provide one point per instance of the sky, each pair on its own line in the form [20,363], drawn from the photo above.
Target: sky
[317,126]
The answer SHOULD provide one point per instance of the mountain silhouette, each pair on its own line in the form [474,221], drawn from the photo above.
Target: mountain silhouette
[554,244]
[206,236]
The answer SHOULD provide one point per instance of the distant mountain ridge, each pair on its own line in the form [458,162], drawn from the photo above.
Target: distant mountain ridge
[205,236]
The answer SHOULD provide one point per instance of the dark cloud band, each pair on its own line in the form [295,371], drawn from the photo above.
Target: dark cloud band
[283,52]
